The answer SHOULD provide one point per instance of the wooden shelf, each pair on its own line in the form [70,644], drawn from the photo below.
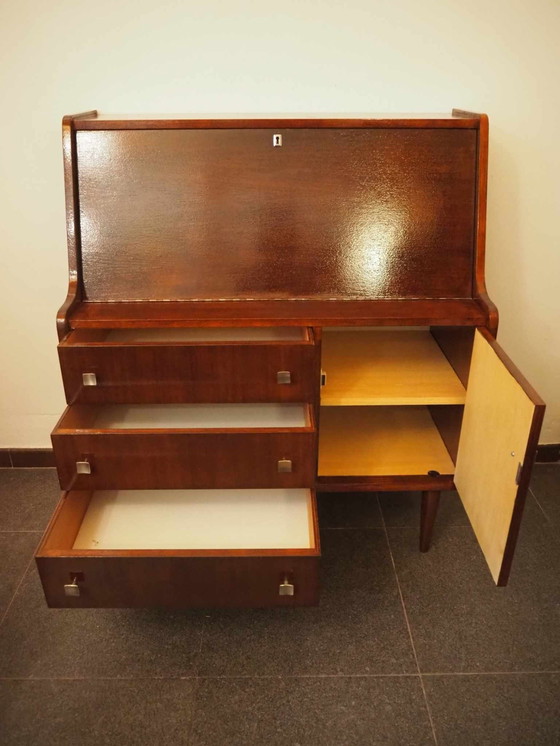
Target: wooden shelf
[380,441]
[270,312]
[386,367]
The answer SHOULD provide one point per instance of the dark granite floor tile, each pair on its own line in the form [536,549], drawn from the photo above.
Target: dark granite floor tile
[508,710]
[545,485]
[349,510]
[311,712]
[36,641]
[461,621]
[27,498]
[359,627]
[65,713]
[16,551]
[403,509]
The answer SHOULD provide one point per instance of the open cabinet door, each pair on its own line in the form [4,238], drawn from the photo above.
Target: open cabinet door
[499,436]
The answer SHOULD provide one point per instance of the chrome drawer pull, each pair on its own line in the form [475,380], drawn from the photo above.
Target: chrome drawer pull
[286,588]
[83,467]
[283,376]
[89,379]
[72,589]
[284,465]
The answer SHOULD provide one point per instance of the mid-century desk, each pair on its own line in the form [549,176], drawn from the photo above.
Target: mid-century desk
[260,309]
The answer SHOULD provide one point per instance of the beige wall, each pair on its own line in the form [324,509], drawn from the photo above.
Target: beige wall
[500,57]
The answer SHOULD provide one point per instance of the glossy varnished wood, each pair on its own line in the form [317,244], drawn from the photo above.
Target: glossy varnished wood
[389,483]
[187,372]
[252,121]
[181,457]
[481,215]
[455,312]
[74,295]
[222,214]
[170,578]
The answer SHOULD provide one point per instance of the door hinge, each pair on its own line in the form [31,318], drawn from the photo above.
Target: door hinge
[518,475]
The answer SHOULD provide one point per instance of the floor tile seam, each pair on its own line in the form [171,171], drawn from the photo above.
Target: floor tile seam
[200,677]
[351,528]
[195,701]
[409,628]
[543,511]
[416,528]
[232,677]
[530,672]
[18,586]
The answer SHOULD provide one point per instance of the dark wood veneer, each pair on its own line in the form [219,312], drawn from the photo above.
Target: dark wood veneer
[200,222]
[222,214]
[170,578]
[450,312]
[176,372]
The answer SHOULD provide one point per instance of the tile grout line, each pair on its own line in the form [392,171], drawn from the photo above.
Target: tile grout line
[428,709]
[9,606]
[282,676]
[197,680]
[543,511]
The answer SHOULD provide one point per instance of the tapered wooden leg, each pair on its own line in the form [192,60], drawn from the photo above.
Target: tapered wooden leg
[428,512]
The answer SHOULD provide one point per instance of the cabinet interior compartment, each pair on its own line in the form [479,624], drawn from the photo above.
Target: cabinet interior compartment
[392,403]
[387,366]
[193,335]
[185,416]
[381,441]
[231,519]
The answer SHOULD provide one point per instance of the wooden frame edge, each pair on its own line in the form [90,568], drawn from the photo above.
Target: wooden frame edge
[520,498]
[479,290]
[75,290]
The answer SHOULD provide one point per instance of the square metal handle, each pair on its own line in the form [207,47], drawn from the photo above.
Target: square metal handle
[284,465]
[89,379]
[283,376]
[286,588]
[83,467]
[72,589]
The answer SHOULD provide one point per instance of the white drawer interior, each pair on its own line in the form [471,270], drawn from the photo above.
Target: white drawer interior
[250,334]
[198,519]
[201,416]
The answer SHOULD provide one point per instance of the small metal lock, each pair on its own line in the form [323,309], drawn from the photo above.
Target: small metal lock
[83,467]
[72,589]
[283,376]
[286,588]
[277,141]
[89,379]
[284,465]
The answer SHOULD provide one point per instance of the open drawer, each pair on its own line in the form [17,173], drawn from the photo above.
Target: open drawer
[182,365]
[185,446]
[179,548]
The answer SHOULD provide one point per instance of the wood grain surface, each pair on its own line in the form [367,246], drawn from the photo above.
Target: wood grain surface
[222,214]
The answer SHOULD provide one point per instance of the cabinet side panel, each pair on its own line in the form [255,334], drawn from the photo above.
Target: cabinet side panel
[223,214]
[493,453]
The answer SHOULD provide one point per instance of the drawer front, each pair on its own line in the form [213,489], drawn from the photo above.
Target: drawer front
[132,460]
[181,548]
[179,581]
[188,373]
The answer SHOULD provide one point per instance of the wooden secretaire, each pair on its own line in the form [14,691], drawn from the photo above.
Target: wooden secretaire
[259,309]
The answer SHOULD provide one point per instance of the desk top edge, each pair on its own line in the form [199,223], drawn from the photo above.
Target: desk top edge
[95,121]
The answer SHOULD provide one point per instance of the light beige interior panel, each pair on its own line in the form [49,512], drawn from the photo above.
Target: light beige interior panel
[380,441]
[496,426]
[386,367]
